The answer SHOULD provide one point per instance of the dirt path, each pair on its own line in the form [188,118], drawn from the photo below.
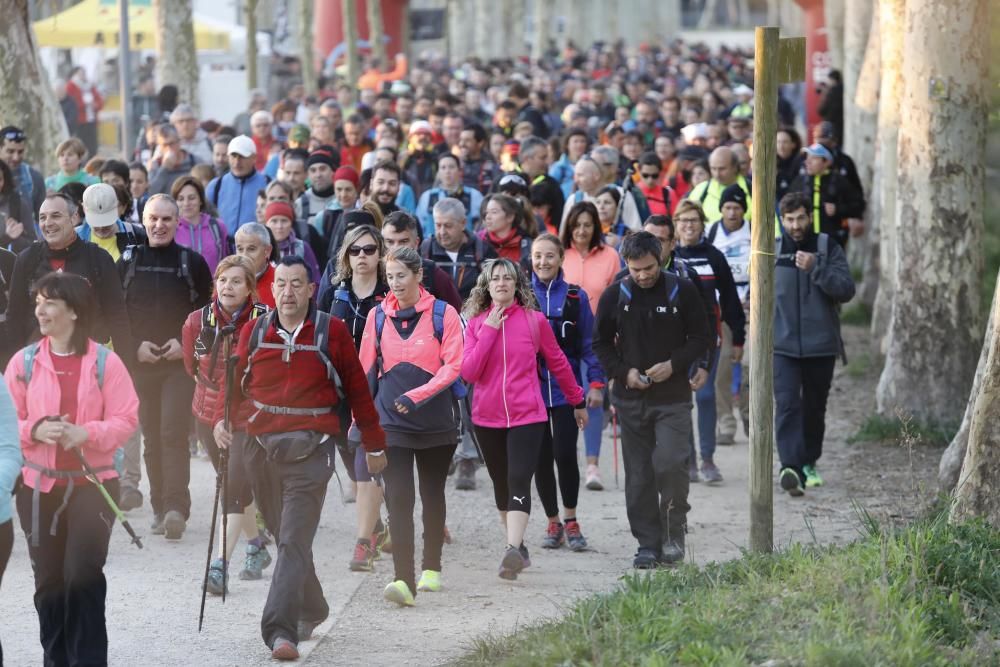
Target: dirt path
[154,594]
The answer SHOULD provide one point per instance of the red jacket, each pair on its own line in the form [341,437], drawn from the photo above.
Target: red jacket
[76,93]
[211,378]
[264,293]
[302,382]
[263,151]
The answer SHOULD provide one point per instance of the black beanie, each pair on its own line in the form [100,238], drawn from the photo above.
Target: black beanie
[734,193]
[321,156]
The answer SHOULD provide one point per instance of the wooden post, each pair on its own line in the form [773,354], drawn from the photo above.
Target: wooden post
[376,34]
[775,61]
[349,19]
[307,47]
[251,44]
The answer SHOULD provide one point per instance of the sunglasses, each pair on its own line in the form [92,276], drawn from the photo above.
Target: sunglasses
[648,174]
[356,250]
[17,136]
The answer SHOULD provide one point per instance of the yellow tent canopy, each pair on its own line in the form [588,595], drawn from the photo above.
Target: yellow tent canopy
[95,23]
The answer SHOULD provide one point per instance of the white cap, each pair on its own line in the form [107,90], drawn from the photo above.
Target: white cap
[420,127]
[743,89]
[242,145]
[100,205]
[694,132]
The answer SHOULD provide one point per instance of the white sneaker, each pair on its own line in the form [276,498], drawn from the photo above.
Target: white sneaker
[594,482]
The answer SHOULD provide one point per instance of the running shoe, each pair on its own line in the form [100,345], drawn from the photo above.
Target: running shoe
[382,540]
[466,479]
[693,475]
[555,535]
[710,472]
[216,577]
[174,525]
[156,528]
[791,482]
[812,477]
[524,555]
[673,551]
[430,581]
[257,559]
[364,558]
[512,563]
[645,559]
[130,499]
[399,593]
[594,482]
[574,538]
[284,649]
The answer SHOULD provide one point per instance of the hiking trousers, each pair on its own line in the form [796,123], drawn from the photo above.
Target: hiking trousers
[801,388]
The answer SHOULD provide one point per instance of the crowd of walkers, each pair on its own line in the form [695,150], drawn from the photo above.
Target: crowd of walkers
[472,266]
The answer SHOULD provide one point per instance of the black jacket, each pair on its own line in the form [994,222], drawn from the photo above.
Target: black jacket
[159,297]
[351,310]
[834,189]
[716,276]
[464,271]
[15,207]
[85,259]
[652,329]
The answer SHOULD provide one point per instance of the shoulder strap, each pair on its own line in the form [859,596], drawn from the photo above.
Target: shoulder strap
[672,286]
[102,362]
[129,257]
[379,327]
[30,352]
[533,330]
[625,293]
[439,310]
[213,225]
[322,333]
[218,187]
[710,237]
[823,244]
[185,273]
[704,193]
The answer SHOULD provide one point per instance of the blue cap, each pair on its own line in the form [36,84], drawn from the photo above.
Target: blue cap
[821,151]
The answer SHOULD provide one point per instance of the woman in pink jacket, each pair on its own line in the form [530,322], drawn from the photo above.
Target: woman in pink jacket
[504,338]
[411,351]
[81,400]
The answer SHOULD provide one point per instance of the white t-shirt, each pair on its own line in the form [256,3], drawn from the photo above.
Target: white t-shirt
[736,247]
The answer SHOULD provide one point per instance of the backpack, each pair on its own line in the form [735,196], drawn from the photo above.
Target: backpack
[458,389]
[31,351]
[207,338]
[130,258]
[671,283]
[322,328]
[570,342]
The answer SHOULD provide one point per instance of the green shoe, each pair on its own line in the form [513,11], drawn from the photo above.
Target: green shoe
[399,593]
[812,477]
[430,580]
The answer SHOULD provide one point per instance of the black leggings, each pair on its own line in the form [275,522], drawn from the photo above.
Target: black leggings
[239,494]
[558,444]
[511,456]
[432,467]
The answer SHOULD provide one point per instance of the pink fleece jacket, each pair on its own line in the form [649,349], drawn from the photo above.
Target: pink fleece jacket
[502,364]
[110,414]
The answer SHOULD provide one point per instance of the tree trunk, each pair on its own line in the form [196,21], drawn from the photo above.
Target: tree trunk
[833,16]
[542,34]
[251,21]
[26,97]
[176,58]
[513,43]
[376,33]
[707,19]
[883,205]
[951,461]
[861,119]
[307,49]
[484,28]
[668,20]
[978,490]
[349,19]
[934,331]
[860,52]
[460,17]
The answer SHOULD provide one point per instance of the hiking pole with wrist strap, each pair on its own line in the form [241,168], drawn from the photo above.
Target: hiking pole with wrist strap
[92,476]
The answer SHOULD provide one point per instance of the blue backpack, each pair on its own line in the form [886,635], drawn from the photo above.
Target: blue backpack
[31,351]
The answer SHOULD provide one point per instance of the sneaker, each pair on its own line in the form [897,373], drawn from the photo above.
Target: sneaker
[725,439]
[594,482]
[130,499]
[575,539]
[673,551]
[382,540]
[156,528]
[512,563]
[364,558]
[554,536]
[257,559]
[399,593]
[217,577]
[645,559]
[305,629]
[711,472]
[174,525]
[524,555]
[284,649]
[791,482]
[430,581]
[466,478]
[812,477]
[693,475]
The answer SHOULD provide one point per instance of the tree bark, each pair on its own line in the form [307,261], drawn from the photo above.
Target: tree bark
[883,204]
[461,15]
[950,466]
[176,58]
[26,97]
[376,33]
[349,19]
[307,49]
[860,58]
[978,490]
[934,331]
[542,21]
[485,27]
[833,15]
[707,19]
[514,44]
[251,25]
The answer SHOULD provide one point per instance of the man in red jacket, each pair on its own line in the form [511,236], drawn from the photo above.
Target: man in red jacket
[294,375]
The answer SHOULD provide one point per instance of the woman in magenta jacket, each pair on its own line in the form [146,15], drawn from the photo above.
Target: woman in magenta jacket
[81,398]
[504,338]
[411,368]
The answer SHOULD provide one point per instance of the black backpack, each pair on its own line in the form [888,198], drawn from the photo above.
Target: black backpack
[131,258]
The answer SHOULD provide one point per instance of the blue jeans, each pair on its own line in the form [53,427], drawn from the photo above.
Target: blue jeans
[595,424]
[705,399]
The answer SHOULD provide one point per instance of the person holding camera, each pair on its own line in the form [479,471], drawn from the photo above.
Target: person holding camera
[651,331]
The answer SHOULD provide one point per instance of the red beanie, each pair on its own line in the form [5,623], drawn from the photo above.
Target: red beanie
[279,208]
[347,173]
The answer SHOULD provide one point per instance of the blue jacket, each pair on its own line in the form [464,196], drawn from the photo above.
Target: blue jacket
[406,199]
[471,198]
[562,171]
[132,235]
[236,198]
[551,300]
[10,451]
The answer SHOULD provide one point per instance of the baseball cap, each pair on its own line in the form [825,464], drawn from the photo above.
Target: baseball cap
[743,89]
[420,127]
[100,205]
[242,145]
[821,151]
[824,130]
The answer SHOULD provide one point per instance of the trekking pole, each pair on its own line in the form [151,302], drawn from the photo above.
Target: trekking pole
[211,543]
[92,476]
[224,464]
[614,433]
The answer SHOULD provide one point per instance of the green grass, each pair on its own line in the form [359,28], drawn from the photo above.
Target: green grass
[859,366]
[877,428]
[857,313]
[926,595]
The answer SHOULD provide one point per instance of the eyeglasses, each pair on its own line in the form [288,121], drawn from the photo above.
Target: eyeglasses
[687,221]
[649,174]
[368,250]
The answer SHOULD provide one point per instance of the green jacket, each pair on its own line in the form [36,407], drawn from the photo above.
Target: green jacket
[709,193]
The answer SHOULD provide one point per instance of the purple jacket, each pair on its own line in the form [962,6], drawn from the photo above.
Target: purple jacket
[208,238]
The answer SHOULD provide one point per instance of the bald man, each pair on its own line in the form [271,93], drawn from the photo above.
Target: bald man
[725,168]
